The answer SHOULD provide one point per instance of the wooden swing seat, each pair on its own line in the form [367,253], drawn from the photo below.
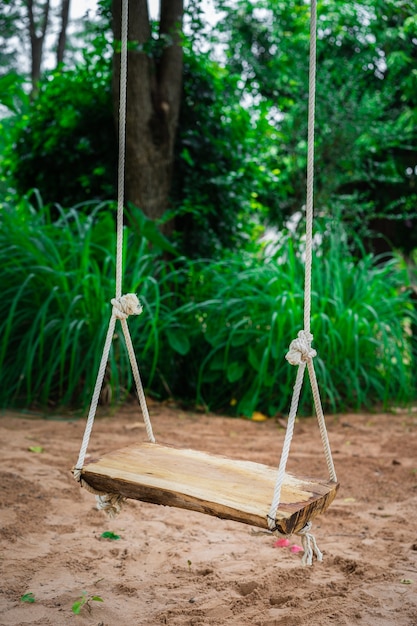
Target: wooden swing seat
[229,489]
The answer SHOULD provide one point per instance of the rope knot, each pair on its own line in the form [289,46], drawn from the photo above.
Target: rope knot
[111,503]
[126,305]
[309,545]
[300,350]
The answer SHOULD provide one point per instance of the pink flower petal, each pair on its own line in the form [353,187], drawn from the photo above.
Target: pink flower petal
[296,549]
[281,543]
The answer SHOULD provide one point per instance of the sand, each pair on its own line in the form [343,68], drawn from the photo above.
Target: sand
[180,568]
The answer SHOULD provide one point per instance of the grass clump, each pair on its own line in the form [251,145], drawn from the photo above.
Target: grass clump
[245,312]
[212,333]
[57,278]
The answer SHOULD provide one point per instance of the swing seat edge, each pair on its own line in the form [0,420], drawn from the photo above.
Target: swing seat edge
[215,485]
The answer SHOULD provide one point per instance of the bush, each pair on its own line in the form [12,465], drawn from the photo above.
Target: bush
[223,172]
[53,277]
[65,145]
[58,278]
[212,333]
[244,313]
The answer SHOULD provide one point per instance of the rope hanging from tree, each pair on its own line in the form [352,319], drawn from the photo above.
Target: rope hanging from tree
[123,306]
[300,352]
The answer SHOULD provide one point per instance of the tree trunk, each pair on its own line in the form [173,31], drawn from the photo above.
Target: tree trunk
[37,40]
[62,38]
[154,88]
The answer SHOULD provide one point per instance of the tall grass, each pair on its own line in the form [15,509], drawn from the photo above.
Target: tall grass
[212,333]
[243,315]
[57,279]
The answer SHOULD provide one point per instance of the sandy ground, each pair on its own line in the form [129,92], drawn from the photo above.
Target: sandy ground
[181,568]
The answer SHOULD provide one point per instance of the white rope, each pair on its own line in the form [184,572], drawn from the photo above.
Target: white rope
[300,351]
[309,545]
[94,401]
[110,503]
[310,165]
[138,382]
[122,147]
[123,306]
[126,305]
[321,421]
[286,448]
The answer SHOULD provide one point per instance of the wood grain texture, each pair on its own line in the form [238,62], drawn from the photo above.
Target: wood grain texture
[229,489]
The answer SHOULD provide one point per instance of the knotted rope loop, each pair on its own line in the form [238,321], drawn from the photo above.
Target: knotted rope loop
[111,503]
[126,305]
[310,546]
[123,305]
[300,350]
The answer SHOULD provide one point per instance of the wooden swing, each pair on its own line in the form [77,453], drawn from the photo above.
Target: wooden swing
[229,489]
[238,490]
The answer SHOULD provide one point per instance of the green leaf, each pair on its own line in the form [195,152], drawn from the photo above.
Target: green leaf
[28,597]
[12,94]
[85,600]
[77,606]
[235,371]
[36,449]
[185,154]
[148,229]
[178,340]
[254,359]
[109,535]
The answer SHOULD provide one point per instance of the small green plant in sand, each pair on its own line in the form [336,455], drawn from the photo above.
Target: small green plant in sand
[85,600]
[109,535]
[28,597]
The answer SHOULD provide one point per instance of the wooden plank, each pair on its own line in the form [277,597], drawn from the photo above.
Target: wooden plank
[230,489]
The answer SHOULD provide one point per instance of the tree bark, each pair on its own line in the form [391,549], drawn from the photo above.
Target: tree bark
[154,89]
[62,38]
[37,40]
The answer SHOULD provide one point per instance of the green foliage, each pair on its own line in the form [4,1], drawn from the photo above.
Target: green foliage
[58,277]
[65,144]
[212,333]
[221,186]
[55,277]
[10,34]
[241,149]
[365,111]
[28,597]
[146,228]
[85,601]
[12,93]
[215,332]
[362,319]
[14,102]
[109,535]
[246,312]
